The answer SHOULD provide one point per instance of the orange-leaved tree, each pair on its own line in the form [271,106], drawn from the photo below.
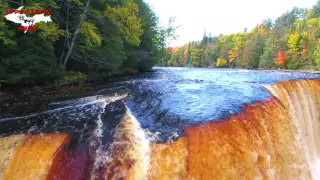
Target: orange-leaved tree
[232,54]
[281,59]
[170,49]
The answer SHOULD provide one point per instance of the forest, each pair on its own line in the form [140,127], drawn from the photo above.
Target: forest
[91,39]
[96,39]
[292,41]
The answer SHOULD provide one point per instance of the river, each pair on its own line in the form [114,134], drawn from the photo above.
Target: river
[163,101]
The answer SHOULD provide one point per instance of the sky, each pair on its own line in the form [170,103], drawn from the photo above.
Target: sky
[219,16]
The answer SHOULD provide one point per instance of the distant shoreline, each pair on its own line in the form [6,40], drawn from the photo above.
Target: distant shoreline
[296,71]
[271,70]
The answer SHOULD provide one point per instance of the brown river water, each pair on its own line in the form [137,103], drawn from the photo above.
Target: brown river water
[173,123]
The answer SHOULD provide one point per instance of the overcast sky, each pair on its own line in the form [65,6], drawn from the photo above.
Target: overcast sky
[220,16]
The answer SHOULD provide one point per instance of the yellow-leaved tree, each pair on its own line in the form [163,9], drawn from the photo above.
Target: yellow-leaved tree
[127,20]
[294,42]
[221,62]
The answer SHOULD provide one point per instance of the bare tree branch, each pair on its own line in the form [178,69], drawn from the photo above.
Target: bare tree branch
[75,34]
[14,2]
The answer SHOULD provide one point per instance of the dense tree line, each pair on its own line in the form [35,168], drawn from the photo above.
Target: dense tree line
[291,42]
[95,37]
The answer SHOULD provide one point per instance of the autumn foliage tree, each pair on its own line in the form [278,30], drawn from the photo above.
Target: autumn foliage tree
[291,42]
[221,62]
[170,50]
[232,55]
[281,59]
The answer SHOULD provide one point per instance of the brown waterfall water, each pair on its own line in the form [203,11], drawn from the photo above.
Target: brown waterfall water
[276,138]
[302,99]
[273,139]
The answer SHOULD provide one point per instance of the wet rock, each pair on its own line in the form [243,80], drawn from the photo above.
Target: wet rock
[37,89]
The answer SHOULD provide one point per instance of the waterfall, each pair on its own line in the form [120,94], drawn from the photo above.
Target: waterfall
[169,161]
[272,139]
[29,157]
[256,144]
[302,99]
[129,153]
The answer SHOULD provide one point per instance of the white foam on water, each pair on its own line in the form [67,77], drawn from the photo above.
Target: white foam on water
[315,169]
[54,110]
[96,143]
[77,103]
[108,89]
[301,100]
[80,100]
[129,152]
[99,150]
[152,136]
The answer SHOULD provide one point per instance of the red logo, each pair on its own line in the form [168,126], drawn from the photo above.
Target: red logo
[26,11]
[27,23]
[29,28]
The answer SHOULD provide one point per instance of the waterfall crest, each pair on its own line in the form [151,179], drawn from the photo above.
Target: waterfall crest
[302,99]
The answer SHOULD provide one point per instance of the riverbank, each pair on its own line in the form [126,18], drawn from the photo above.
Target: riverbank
[311,71]
[26,100]
[19,100]
[294,71]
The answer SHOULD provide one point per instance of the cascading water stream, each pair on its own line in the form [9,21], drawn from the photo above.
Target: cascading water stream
[302,99]
[96,145]
[274,136]
[273,139]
